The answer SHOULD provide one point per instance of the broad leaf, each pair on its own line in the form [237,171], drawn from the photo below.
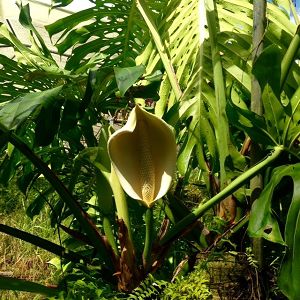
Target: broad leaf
[47,123]
[183,25]
[16,79]
[273,113]
[251,123]
[115,29]
[264,223]
[267,68]
[292,119]
[13,113]
[126,77]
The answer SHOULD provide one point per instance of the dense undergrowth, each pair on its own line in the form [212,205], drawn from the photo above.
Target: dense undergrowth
[217,274]
[18,258]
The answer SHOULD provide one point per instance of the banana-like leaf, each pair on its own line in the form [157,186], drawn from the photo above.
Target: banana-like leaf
[251,123]
[265,223]
[273,113]
[267,68]
[189,46]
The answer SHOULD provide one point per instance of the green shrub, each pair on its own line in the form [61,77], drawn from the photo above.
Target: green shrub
[194,286]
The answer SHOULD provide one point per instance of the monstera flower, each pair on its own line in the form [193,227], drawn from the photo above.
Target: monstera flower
[143,154]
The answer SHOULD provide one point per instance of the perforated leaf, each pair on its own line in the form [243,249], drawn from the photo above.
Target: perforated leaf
[264,223]
[115,29]
[13,78]
[60,3]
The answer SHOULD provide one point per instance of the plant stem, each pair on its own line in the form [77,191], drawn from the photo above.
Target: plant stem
[41,243]
[148,239]
[107,228]
[232,187]
[84,220]
[289,57]
[161,48]
[120,200]
[16,284]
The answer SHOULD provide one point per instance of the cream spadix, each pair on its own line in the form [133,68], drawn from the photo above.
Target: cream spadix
[143,154]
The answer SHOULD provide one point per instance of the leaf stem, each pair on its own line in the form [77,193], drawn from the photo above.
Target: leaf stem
[289,57]
[228,190]
[120,200]
[161,48]
[16,284]
[41,243]
[107,228]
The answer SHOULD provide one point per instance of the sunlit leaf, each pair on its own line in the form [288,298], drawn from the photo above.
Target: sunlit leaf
[267,68]
[253,124]
[126,77]
[60,3]
[273,113]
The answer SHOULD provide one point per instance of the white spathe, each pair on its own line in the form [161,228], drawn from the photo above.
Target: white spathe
[143,154]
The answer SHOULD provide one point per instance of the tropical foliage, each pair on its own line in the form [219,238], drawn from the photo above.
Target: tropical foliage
[186,62]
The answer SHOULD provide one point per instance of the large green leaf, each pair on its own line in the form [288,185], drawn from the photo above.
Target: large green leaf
[115,29]
[264,223]
[47,123]
[273,113]
[291,129]
[267,68]
[13,113]
[15,79]
[251,123]
[126,77]
[183,28]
